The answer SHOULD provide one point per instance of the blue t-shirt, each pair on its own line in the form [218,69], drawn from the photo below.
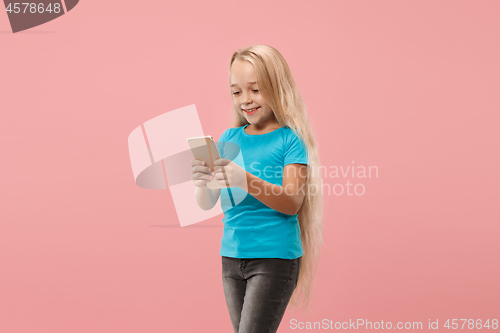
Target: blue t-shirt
[252,229]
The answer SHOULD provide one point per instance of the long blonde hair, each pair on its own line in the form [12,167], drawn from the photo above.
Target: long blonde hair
[279,90]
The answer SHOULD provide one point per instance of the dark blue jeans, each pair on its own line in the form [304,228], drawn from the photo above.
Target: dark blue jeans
[258,291]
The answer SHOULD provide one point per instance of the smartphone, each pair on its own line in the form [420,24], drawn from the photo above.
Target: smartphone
[205,149]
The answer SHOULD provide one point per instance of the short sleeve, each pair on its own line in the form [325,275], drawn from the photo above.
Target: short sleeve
[220,142]
[296,151]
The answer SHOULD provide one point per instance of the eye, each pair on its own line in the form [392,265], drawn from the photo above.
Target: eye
[256,90]
[236,92]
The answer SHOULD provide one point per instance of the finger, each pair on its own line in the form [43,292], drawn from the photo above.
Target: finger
[201,176]
[222,182]
[197,162]
[220,168]
[221,161]
[220,175]
[202,169]
[218,172]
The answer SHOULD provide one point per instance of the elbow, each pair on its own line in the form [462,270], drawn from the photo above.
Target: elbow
[294,209]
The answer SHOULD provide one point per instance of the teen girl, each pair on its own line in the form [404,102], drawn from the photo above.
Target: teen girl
[273,209]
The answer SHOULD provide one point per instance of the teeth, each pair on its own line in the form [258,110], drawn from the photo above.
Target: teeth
[250,110]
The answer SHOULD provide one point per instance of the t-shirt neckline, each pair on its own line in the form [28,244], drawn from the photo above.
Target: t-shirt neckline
[253,135]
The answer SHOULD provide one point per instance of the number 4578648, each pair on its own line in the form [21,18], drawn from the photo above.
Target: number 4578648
[32,8]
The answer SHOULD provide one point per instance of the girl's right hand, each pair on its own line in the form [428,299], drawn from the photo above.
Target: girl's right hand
[200,173]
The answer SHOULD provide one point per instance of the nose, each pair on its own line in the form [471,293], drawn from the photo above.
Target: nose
[245,99]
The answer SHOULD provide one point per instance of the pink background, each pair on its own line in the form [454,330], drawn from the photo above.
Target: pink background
[411,87]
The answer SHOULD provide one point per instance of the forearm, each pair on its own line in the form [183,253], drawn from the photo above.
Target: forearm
[206,198]
[286,200]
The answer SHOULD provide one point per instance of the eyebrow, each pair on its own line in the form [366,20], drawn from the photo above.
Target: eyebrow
[234,84]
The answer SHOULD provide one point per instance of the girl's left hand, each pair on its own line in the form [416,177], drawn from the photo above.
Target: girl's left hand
[227,170]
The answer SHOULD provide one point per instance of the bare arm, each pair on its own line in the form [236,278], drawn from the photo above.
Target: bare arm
[286,199]
[206,198]
[200,174]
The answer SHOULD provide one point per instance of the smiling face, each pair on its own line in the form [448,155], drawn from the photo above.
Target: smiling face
[246,95]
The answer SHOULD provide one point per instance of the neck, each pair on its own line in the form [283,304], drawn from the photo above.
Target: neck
[267,125]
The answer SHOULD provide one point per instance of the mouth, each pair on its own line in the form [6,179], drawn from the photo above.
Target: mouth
[251,111]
